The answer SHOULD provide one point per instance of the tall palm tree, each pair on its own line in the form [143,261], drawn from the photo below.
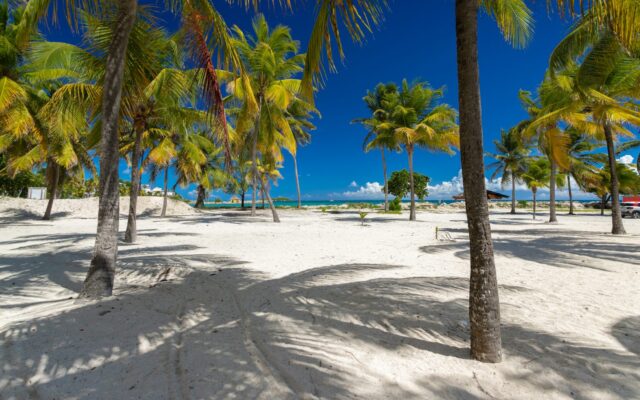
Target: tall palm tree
[299,115]
[419,120]
[270,58]
[511,160]
[377,137]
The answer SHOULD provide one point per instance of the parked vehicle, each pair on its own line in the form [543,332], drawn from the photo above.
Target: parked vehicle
[630,209]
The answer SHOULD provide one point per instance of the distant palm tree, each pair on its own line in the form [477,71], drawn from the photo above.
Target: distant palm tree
[378,137]
[582,162]
[419,120]
[537,176]
[511,160]
[299,115]
[600,183]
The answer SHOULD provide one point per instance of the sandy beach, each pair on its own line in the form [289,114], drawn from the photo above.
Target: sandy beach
[219,305]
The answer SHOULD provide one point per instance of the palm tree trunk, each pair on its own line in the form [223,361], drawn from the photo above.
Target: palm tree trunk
[570,194]
[603,203]
[166,186]
[552,191]
[265,192]
[534,203]
[53,188]
[616,215]
[295,169]
[99,280]
[201,196]
[412,210]
[386,188]
[131,234]
[513,194]
[484,304]
[242,200]
[254,163]
[263,196]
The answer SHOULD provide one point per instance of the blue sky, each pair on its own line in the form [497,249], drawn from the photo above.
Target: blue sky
[416,41]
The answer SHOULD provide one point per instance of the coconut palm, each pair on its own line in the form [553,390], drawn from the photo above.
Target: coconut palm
[299,115]
[601,103]
[378,137]
[582,162]
[537,176]
[419,120]
[270,58]
[511,160]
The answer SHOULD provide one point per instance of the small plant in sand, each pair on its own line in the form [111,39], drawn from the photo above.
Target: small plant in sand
[323,209]
[363,215]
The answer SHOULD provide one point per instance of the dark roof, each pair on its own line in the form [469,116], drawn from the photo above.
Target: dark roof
[490,195]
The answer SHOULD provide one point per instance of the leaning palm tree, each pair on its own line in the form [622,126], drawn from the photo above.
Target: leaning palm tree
[377,137]
[511,160]
[419,120]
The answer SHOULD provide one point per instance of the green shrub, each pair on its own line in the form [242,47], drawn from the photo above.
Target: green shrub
[522,203]
[395,205]
[363,215]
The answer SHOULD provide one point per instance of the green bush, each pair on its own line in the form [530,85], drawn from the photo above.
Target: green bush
[522,203]
[395,205]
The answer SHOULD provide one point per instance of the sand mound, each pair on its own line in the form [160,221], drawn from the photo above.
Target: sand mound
[87,208]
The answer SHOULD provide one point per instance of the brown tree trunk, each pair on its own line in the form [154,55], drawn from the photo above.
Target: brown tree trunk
[263,196]
[513,194]
[295,169]
[131,234]
[552,191]
[534,203]
[254,163]
[570,194]
[265,193]
[99,280]
[242,201]
[201,196]
[166,188]
[616,215]
[484,304]
[53,188]
[386,188]
[412,210]
[603,203]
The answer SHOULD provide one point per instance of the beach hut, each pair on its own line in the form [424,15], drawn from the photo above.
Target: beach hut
[491,195]
[234,200]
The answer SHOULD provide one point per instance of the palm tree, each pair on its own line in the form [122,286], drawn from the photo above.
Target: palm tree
[271,59]
[582,162]
[418,120]
[511,160]
[600,182]
[299,114]
[537,176]
[378,137]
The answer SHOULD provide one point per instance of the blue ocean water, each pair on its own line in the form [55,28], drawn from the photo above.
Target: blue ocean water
[319,203]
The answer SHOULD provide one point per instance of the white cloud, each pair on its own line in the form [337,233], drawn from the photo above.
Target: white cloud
[126,171]
[371,190]
[353,184]
[628,159]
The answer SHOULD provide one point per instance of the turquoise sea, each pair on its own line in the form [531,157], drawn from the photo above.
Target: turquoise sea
[319,203]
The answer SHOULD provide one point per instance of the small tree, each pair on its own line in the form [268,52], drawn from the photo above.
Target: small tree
[399,184]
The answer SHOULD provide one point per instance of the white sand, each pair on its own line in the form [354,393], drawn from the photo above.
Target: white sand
[317,307]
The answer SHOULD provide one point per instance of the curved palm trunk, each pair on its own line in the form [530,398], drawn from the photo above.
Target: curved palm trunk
[265,192]
[166,187]
[412,211]
[513,194]
[534,202]
[131,234]
[570,194]
[53,190]
[295,169]
[552,191]
[386,188]
[99,280]
[484,304]
[201,196]
[616,215]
